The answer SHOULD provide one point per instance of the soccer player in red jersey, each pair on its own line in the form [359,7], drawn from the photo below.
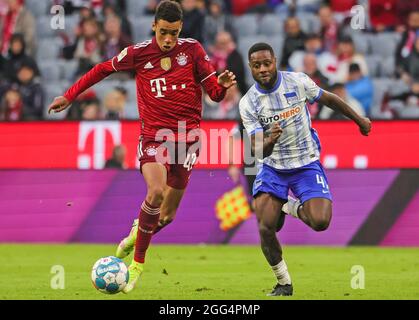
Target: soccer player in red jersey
[170,72]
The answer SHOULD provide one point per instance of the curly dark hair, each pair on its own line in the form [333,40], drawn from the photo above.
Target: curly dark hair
[169,11]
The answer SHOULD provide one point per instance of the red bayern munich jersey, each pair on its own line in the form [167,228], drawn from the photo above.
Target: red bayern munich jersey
[168,83]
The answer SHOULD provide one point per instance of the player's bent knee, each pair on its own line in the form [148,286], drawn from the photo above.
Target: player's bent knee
[156,194]
[321,224]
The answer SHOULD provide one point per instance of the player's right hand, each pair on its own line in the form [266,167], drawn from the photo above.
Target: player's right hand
[59,104]
[275,132]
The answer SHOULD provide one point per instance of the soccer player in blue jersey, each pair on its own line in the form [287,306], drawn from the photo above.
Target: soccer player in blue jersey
[275,115]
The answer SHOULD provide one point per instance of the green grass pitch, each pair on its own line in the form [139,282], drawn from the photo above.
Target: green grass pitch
[213,272]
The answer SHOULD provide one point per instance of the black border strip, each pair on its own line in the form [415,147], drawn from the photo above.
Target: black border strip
[388,209]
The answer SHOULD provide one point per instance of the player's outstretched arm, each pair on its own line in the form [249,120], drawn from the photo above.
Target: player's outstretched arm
[263,143]
[336,103]
[98,73]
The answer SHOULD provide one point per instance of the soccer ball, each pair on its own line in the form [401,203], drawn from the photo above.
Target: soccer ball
[110,275]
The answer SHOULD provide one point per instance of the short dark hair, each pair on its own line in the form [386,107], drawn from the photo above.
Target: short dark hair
[260,46]
[354,67]
[17,37]
[27,65]
[346,39]
[121,90]
[312,36]
[169,11]
[336,86]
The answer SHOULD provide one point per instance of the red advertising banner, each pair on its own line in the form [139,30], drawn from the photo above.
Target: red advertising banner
[87,145]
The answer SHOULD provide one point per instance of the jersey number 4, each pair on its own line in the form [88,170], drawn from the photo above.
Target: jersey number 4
[321,181]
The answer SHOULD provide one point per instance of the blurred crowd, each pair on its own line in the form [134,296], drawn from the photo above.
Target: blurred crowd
[366,51]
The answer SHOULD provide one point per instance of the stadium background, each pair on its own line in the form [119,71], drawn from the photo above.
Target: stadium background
[53,188]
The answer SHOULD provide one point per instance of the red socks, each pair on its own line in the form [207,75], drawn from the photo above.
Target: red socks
[147,222]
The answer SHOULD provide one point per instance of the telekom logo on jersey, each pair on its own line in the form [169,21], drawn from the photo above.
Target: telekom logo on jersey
[95,159]
[159,85]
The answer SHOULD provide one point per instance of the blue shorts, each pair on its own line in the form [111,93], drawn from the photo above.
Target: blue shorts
[306,182]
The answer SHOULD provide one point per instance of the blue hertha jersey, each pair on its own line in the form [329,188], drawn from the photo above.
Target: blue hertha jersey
[285,103]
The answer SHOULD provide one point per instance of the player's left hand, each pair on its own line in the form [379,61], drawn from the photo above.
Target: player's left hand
[59,104]
[227,79]
[365,126]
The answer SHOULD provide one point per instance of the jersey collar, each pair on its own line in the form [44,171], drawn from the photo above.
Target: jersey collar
[276,86]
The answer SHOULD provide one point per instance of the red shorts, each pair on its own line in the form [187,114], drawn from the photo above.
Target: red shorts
[178,158]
